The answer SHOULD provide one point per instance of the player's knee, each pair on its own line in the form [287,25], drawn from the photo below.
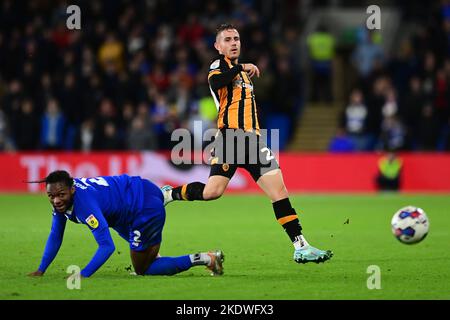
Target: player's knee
[212,193]
[279,193]
[140,271]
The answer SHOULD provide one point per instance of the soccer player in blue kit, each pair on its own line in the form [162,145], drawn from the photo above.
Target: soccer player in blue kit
[132,206]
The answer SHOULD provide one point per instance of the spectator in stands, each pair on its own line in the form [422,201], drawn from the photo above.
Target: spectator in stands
[107,115]
[128,114]
[321,45]
[125,50]
[442,96]
[191,31]
[162,117]
[110,54]
[411,110]
[390,106]
[429,75]
[53,125]
[140,137]
[428,129]
[393,134]
[354,120]
[111,138]
[26,127]
[5,140]
[341,142]
[85,139]
[368,53]
[159,78]
[11,103]
[375,101]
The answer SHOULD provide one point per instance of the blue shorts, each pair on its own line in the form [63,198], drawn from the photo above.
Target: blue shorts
[146,229]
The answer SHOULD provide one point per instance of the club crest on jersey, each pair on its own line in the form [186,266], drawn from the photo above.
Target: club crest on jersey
[238,83]
[92,221]
[214,160]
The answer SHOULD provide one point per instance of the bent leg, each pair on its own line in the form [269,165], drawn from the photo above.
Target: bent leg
[149,262]
[168,266]
[272,184]
[219,178]
[212,190]
[141,260]
[215,187]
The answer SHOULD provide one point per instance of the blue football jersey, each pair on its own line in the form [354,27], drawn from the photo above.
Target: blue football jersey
[103,202]
[117,199]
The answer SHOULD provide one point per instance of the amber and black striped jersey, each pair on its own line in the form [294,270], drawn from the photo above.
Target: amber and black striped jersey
[232,91]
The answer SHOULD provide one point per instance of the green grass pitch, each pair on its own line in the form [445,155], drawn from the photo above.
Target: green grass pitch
[258,254]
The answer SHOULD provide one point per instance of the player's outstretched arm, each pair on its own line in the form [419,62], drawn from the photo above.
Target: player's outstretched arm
[54,242]
[105,250]
[100,229]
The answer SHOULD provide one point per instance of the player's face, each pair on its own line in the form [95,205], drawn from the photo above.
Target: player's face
[228,43]
[60,196]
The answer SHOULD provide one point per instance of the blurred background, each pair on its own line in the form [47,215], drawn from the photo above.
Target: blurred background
[137,70]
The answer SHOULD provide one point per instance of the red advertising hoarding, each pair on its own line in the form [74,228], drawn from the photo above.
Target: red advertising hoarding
[422,172]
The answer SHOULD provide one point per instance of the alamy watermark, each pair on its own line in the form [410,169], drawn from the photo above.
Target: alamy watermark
[226,146]
[73,22]
[74,280]
[374,20]
[374,280]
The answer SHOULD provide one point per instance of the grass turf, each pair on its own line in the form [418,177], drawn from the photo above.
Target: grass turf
[258,254]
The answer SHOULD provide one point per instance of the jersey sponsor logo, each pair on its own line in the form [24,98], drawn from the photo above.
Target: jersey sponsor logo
[239,83]
[92,221]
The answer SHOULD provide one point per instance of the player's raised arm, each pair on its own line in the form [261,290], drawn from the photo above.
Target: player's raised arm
[54,242]
[99,227]
[218,79]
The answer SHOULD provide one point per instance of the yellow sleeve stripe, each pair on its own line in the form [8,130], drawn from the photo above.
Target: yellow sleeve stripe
[213,73]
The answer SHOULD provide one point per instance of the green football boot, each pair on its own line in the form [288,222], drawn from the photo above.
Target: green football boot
[310,254]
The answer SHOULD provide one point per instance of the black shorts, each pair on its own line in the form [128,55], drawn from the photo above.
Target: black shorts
[234,149]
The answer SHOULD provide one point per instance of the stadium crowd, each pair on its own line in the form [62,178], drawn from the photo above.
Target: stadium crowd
[401,101]
[138,69]
[134,72]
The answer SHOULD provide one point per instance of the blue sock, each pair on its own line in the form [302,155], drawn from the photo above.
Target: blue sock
[167,266]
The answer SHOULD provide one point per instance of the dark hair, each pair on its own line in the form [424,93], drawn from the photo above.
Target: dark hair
[59,176]
[224,26]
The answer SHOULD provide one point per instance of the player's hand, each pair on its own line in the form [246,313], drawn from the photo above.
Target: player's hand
[251,69]
[36,273]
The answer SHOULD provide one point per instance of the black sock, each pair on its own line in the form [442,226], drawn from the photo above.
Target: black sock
[288,218]
[190,192]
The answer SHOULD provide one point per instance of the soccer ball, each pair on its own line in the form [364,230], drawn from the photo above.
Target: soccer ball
[410,225]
